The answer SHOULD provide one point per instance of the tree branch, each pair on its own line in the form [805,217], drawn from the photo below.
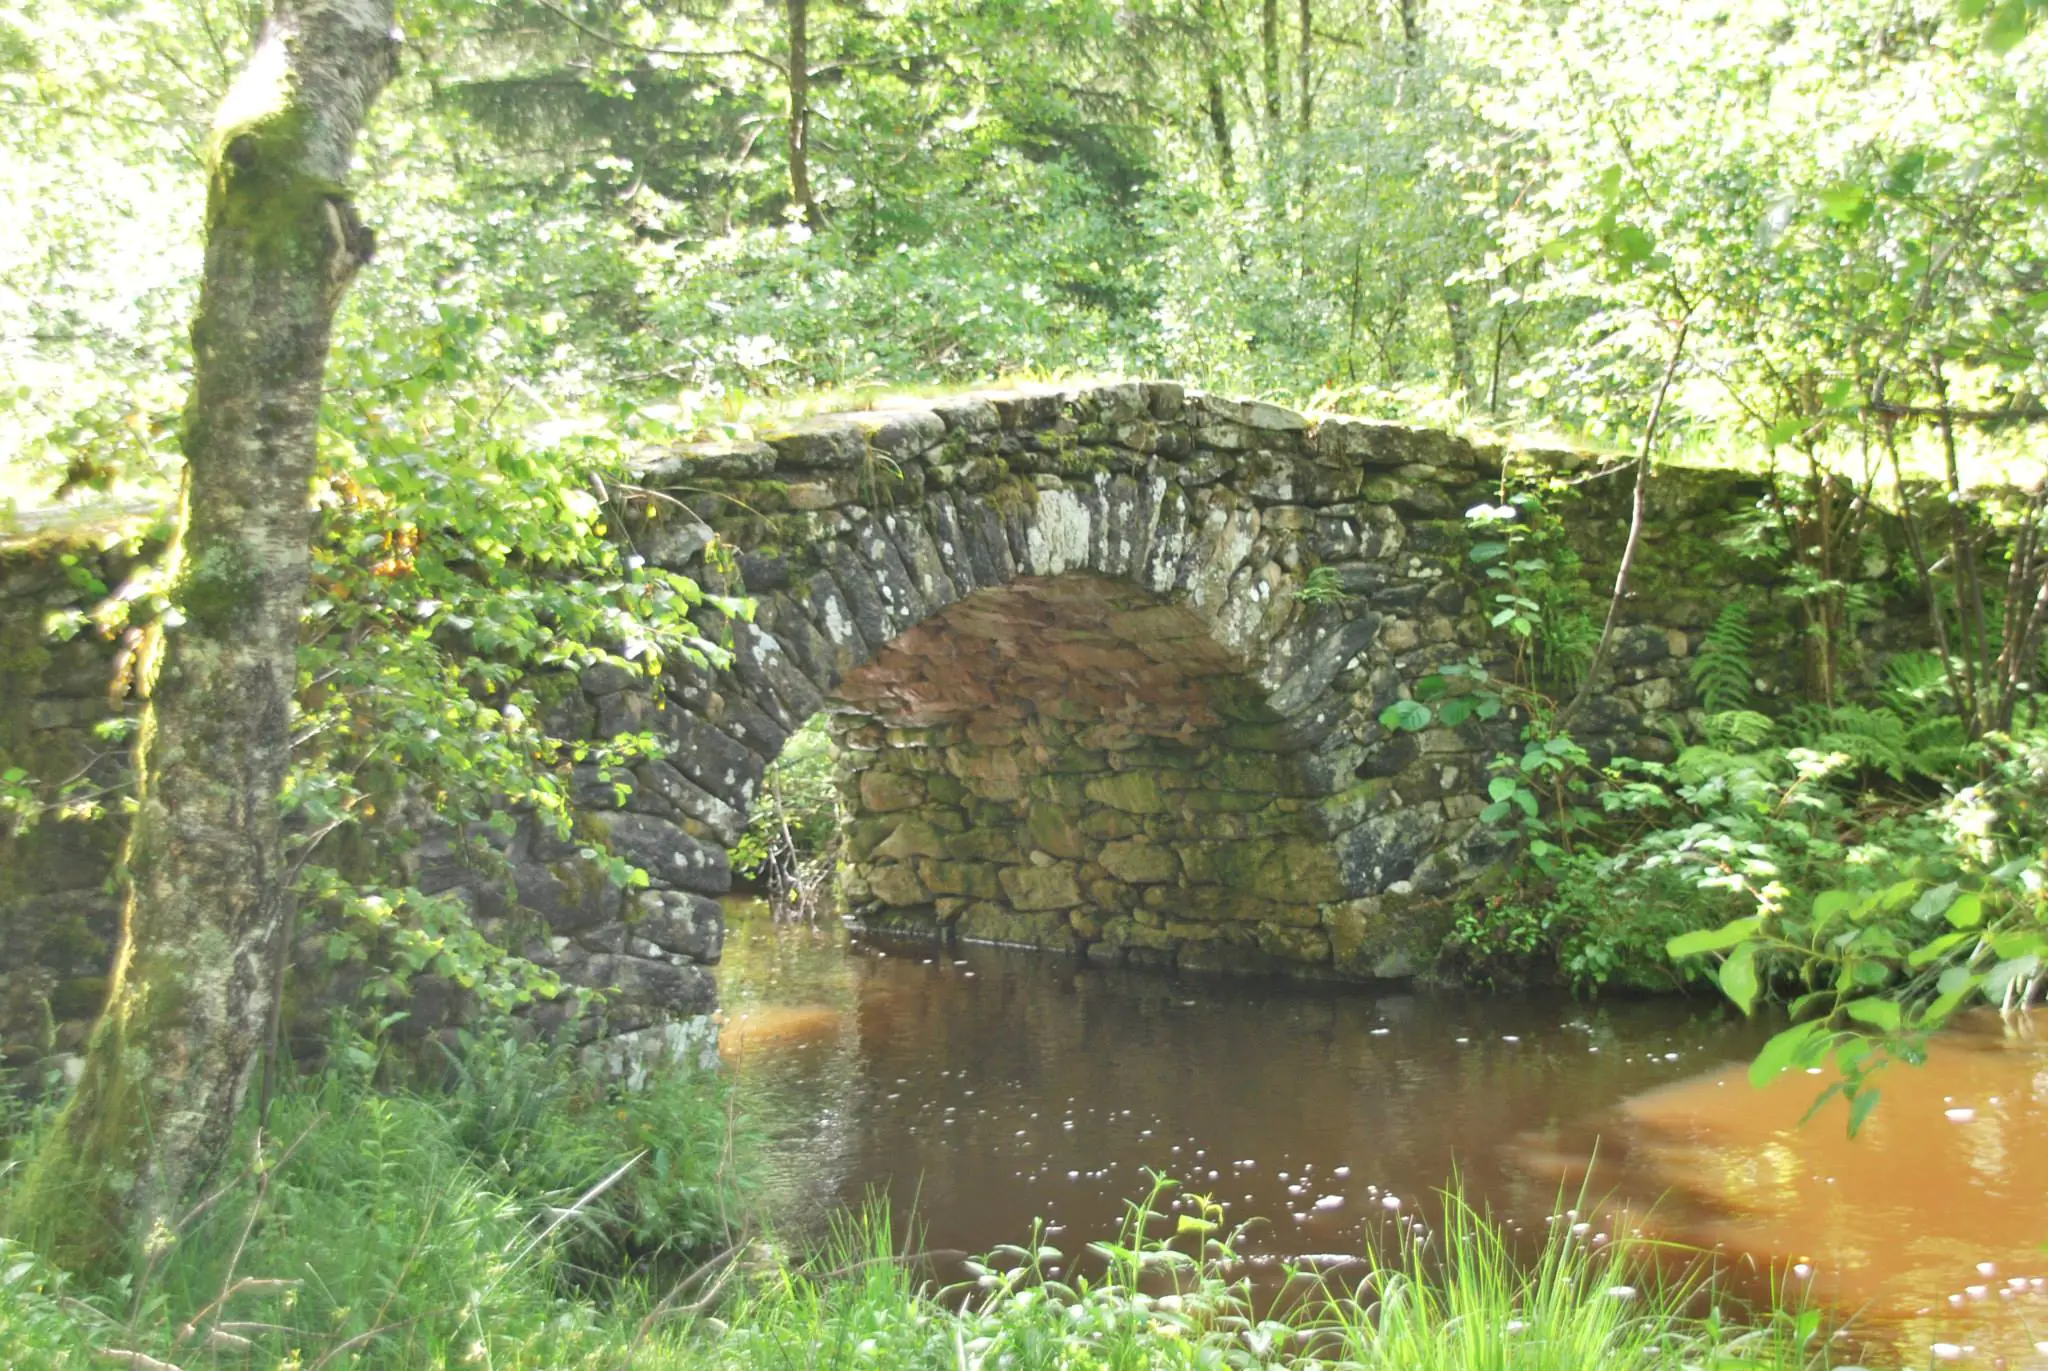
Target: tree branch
[1639,507]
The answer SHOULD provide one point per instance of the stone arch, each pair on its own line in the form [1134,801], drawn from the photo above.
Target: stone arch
[851,531]
[866,540]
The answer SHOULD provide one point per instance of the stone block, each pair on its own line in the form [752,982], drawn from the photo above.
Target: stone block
[1133,792]
[915,836]
[664,851]
[1034,888]
[1140,862]
[679,923]
[1055,830]
[884,791]
[992,923]
[897,883]
[819,444]
[974,880]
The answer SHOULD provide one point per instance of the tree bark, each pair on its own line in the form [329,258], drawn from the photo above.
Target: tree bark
[1305,73]
[1639,505]
[1219,129]
[1459,328]
[800,109]
[1269,40]
[188,1003]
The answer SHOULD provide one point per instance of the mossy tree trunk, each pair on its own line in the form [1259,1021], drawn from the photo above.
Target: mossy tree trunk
[187,1010]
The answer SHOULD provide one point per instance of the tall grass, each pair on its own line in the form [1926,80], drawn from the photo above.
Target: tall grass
[509,1215]
[517,1216]
[1458,1300]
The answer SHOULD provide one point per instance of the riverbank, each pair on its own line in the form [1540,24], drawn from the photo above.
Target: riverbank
[507,1217]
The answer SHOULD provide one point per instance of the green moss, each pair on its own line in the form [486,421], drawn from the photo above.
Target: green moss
[215,588]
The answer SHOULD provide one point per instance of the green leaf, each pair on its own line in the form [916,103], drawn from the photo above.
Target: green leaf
[1844,202]
[1936,950]
[1490,551]
[1712,939]
[1630,245]
[2008,26]
[1859,1109]
[1828,904]
[1738,977]
[1527,800]
[1877,1013]
[1895,897]
[1967,911]
[1780,1052]
[1934,901]
[1500,787]
[1408,716]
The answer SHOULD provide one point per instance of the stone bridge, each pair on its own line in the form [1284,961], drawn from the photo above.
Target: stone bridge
[1085,693]
[1105,664]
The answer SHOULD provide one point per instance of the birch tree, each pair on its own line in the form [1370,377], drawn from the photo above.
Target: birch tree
[190,997]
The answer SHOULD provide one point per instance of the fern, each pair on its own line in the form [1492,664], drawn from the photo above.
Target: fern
[1874,738]
[1737,730]
[1722,673]
[1939,747]
[1881,738]
[1916,686]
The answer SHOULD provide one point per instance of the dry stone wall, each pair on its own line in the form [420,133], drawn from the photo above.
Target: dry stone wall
[1083,700]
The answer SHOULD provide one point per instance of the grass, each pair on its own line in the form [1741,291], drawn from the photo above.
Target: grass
[1459,1300]
[516,1216]
[509,1213]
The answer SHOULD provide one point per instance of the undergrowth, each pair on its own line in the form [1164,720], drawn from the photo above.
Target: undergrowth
[511,1220]
[509,1212]
[1173,1291]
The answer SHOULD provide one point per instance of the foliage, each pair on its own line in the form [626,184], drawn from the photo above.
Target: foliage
[1564,923]
[797,816]
[1934,910]
[462,573]
[1541,601]
[1722,671]
[495,1219]
[1322,586]
[450,1273]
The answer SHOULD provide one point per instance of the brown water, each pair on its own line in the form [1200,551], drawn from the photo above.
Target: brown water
[985,1089]
[1930,1222]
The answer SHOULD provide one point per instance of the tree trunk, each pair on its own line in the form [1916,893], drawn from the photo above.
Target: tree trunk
[800,109]
[1269,39]
[1219,129]
[188,1005]
[1304,73]
[1459,329]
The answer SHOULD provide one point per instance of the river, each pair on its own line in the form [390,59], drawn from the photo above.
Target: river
[982,1089]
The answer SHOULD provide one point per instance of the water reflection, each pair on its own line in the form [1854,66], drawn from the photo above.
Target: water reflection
[992,1088]
[988,1089]
[1931,1221]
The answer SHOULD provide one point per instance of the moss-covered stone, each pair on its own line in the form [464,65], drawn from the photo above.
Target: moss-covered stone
[1133,792]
